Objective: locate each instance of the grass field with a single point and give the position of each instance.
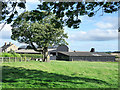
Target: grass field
(60, 74)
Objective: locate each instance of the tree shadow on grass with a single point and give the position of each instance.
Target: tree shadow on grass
(42, 78)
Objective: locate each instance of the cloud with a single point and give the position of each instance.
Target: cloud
(111, 19)
(102, 22)
(108, 23)
(93, 35)
(104, 25)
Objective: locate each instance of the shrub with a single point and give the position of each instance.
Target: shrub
(9, 55)
(0, 54)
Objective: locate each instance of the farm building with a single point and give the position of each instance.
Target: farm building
(62, 48)
(7, 47)
(27, 51)
(116, 53)
(86, 56)
(53, 52)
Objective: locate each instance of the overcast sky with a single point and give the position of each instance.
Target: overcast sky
(99, 32)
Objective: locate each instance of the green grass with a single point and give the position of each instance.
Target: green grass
(60, 74)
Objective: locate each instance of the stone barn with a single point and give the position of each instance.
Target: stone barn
(63, 48)
(84, 56)
(54, 51)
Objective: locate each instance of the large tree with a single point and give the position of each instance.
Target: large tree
(69, 10)
(43, 33)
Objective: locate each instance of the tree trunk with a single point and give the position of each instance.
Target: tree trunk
(45, 54)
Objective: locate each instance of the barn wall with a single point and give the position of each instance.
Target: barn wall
(62, 57)
(92, 58)
(52, 57)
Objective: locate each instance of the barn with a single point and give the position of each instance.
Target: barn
(53, 52)
(85, 56)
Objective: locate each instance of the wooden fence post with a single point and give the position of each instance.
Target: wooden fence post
(2, 59)
(9, 59)
(24, 59)
(15, 59)
(28, 59)
(21, 59)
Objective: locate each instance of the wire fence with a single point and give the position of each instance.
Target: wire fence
(14, 59)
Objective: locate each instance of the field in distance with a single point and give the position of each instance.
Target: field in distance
(60, 74)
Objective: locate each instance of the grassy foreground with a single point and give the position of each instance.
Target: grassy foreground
(60, 74)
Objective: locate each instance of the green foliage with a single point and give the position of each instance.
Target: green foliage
(9, 10)
(60, 74)
(70, 10)
(32, 55)
(43, 33)
(12, 52)
(25, 58)
(9, 55)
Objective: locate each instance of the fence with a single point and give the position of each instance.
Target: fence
(14, 59)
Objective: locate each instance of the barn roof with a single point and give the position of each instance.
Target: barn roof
(85, 54)
(27, 51)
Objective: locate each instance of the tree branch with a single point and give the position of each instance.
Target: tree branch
(3, 26)
(35, 48)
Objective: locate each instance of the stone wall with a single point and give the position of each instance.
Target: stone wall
(12, 47)
(92, 58)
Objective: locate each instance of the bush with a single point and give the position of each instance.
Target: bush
(17, 55)
(12, 52)
(9, 55)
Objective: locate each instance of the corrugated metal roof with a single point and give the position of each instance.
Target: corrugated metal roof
(85, 54)
(26, 51)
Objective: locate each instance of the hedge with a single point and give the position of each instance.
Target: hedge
(9, 55)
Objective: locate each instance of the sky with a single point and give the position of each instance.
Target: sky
(99, 32)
